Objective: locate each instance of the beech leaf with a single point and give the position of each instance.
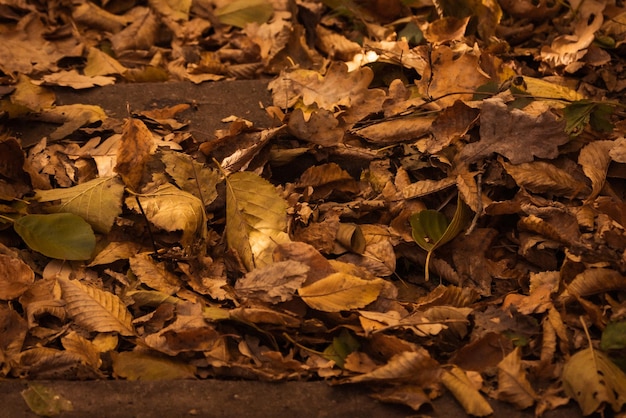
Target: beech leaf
(341, 292)
(58, 235)
(591, 378)
(457, 382)
(256, 218)
(95, 309)
(98, 201)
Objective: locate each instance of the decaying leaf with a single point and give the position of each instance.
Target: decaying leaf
(135, 149)
(592, 379)
(513, 385)
(45, 401)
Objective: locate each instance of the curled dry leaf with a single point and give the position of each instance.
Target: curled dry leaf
(457, 382)
(15, 277)
(276, 282)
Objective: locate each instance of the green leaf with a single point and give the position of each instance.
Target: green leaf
(58, 235)
(241, 12)
(341, 347)
(614, 336)
(98, 201)
(44, 401)
(431, 229)
(582, 112)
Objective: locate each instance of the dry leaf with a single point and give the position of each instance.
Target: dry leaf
(95, 309)
(341, 292)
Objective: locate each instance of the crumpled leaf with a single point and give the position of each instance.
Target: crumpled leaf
(133, 154)
(341, 292)
(457, 382)
(15, 277)
(98, 201)
(95, 309)
(256, 218)
(515, 134)
(513, 385)
(58, 235)
(591, 378)
(154, 274)
(171, 209)
(137, 365)
(141, 34)
(273, 283)
(74, 117)
(45, 401)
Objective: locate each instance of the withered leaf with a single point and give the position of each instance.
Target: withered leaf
(96, 309)
(276, 282)
(15, 277)
(517, 135)
(133, 154)
(137, 365)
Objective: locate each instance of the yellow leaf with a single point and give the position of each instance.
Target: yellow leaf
(341, 292)
(172, 209)
(256, 218)
(513, 386)
(591, 378)
(95, 309)
(135, 365)
(457, 382)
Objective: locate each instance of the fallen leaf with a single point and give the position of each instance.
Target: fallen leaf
(341, 292)
(457, 382)
(15, 277)
(273, 283)
(45, 401)
(592, 379)
(513, 385)
(133, 154)
(58, 235)
(137, 365)
(95, 309)
(98, 201)
(255, 218)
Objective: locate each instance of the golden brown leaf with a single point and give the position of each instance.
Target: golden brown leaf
(133, 154)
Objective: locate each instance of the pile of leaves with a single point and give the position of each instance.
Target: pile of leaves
(440, 204)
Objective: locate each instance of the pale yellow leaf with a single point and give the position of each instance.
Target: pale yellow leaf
(256, 218)
(98, 201)
(172, 209)
(100, 63)
(457, 382)
(95, 309)
(341, 292)
(591, 378)
(73, 79)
